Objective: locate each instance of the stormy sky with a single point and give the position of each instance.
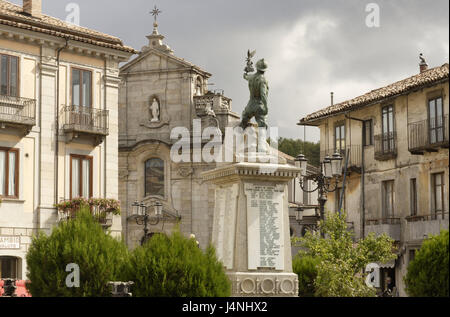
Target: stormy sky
(312, 47)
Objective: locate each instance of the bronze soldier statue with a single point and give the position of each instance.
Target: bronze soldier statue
(259, 91)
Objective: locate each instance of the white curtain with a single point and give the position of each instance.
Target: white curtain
(12, 174)
(75, 178)
(86, 178)
(2, 173)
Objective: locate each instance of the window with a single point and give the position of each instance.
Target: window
(412, 255)
(81, 87)
(436, 122)
(154, 177)
(9, 75)
(80, 176)
(437, 183)
(9, 173)
(367, 133)
(413, 196)
(339, 139)
(388, 129)
(8, 267)
(388, 198)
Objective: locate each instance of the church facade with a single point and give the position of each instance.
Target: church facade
(159, 92)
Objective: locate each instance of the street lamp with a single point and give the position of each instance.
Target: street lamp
(141, 215)
(330, 167)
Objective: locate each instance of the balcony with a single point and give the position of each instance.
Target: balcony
(385, 146)
(419, 227)
(423, 137)
(18, 113)
(389, 226)
(85, 123)
(354, 159)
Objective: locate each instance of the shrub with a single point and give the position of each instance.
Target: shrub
(174, 266)
(100, 257)
(306, 269)
(427, 274)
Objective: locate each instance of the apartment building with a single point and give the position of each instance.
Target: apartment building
(58, 123)
(394, 141)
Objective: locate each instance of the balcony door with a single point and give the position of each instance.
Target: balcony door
(388, 129)
(9, 79)
(339, 139)
(81, 111)
(436, 120)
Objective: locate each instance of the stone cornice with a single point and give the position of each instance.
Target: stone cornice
(246, 169)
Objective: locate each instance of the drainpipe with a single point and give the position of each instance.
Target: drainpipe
(58, 56)
(363, 198)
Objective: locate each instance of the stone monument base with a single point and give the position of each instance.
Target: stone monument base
(251, 226)
(263, 284)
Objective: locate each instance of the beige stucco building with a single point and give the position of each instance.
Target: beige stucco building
(396, 139)
(58, 123)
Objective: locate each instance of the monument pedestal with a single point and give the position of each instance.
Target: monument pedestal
(251, 227)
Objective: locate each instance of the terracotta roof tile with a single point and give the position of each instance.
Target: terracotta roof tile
(12, 15)
(428, 77)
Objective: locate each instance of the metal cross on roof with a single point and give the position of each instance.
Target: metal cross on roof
(155, 12)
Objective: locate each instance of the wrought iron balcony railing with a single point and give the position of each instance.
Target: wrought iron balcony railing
(427, 135)
(385, 146)
(433, 216)
(383, 221)
(354, 159)
(87, 120)
(17, 111)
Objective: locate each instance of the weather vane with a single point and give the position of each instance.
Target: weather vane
(155, 12)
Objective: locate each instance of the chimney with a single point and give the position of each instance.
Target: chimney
(332, 98)
(33, 8)
(423, 63)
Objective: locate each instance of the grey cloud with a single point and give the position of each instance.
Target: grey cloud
(344, 55)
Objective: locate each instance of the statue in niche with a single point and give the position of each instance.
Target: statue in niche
(154, 111)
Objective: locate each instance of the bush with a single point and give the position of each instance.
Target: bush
(341, 261)
(428, 273)
(306, 269)
(100, 257)
(174, 266)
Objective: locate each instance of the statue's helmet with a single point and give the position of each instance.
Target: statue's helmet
(261, 65)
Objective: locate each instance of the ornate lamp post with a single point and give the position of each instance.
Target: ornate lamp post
(331, 167)
(141, 215)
